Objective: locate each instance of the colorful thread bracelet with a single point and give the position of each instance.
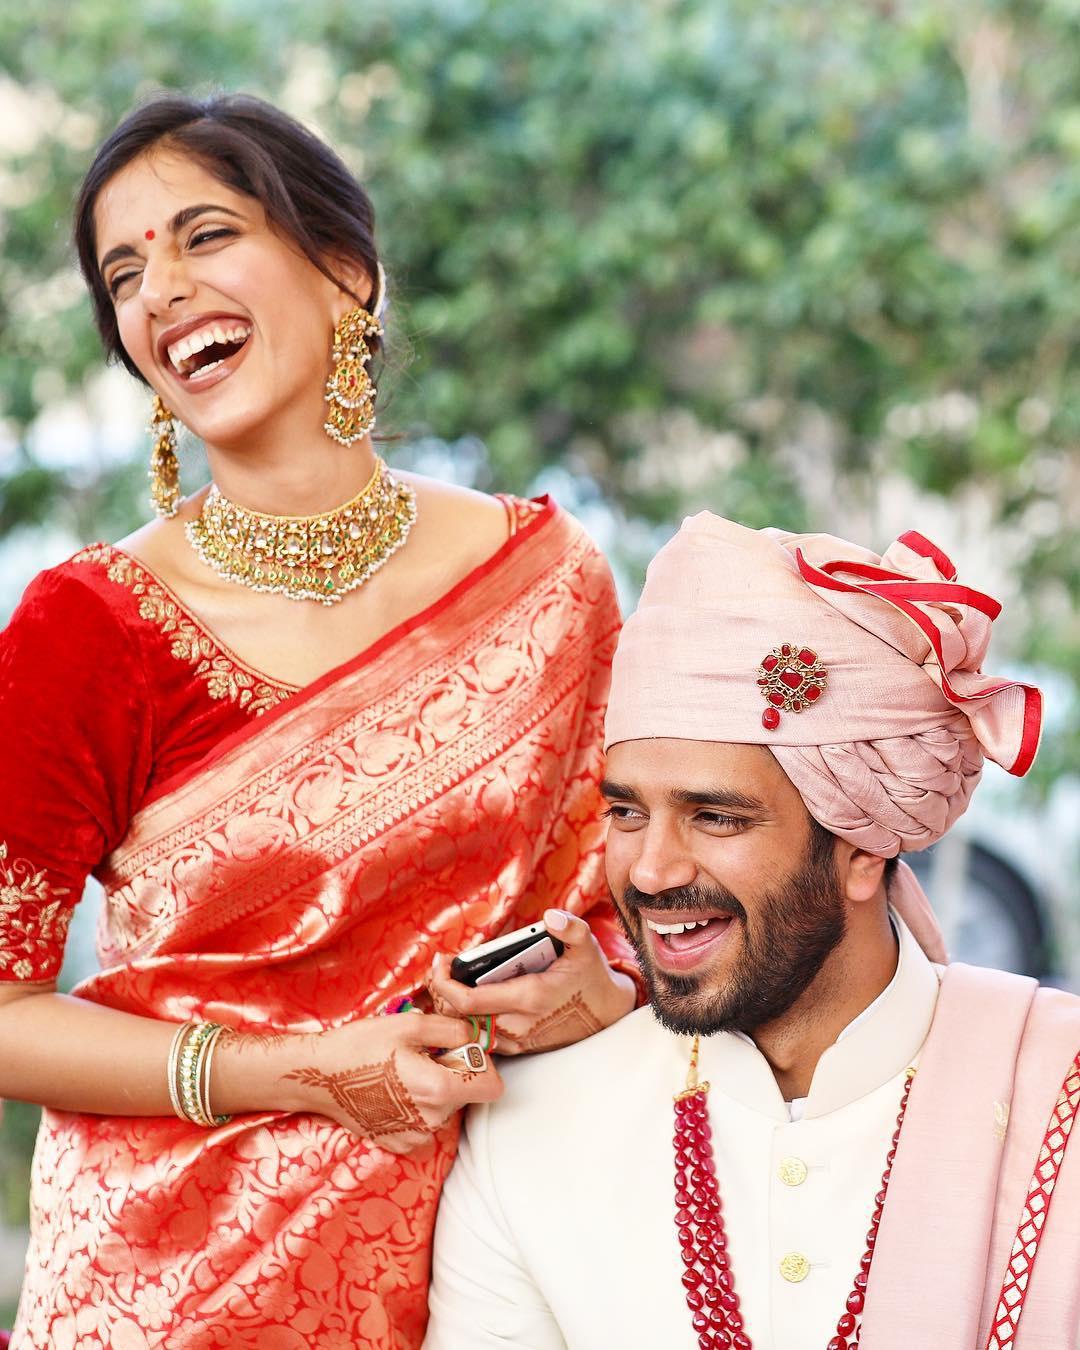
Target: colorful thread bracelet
(488, 1031)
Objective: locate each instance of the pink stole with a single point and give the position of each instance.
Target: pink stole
(988, 1078)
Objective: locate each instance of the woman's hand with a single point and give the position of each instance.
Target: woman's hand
(376, 1079)
(576, 996)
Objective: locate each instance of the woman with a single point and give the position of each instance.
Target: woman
(311, 728)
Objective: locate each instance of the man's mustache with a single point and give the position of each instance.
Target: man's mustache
(710, 899)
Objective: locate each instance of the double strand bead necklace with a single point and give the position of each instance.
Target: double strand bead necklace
(321, 557)
(708, 1278)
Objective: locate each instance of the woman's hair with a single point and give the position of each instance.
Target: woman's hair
(306, 191)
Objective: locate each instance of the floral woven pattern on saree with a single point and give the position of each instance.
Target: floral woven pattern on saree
(433, 792)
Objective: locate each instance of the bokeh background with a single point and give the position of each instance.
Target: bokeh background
(806, 265)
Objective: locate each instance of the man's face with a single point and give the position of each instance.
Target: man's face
(713, 841)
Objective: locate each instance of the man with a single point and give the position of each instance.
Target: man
(787, 714)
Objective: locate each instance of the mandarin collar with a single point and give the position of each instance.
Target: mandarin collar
(873, 1048)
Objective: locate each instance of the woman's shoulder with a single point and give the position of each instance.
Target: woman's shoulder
(97, 581)
(78, 582)
(486, 520)
(451, 505)
(70, 627)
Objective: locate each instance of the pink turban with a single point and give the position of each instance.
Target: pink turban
(861, 674)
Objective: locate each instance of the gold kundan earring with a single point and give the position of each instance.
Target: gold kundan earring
(350, 390)
(164, 465)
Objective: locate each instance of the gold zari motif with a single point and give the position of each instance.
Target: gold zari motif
(33, 916)
(224, 676)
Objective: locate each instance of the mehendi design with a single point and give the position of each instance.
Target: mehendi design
(373, 1096)
(570, 1022)
(261, 1040)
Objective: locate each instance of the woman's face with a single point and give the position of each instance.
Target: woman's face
(225, 318)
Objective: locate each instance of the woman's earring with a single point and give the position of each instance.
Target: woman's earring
(164, 465)
(350, 390)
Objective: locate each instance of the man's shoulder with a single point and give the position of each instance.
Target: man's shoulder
(559, 1086)
(593, 1059)
(1057, 1004)
(1050, 1006)
(1053, 1026)
(1040, 1024)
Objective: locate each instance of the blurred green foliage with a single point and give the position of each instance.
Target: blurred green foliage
(759, 254)
(764, 255)
(19, 1129)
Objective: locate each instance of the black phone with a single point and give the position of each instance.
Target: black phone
(525, 951)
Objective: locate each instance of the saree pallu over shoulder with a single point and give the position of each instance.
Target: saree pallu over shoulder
(434, 791)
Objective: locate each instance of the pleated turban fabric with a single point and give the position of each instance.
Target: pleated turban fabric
(861, 674)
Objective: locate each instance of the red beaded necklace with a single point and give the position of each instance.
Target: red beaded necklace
(708, 1277)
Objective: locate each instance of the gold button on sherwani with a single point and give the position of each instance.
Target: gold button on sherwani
(794, 1267)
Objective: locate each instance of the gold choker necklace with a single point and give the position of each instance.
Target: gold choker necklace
(306, 557)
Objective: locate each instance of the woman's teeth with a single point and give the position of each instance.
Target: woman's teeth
(180, 353)
(203, 370)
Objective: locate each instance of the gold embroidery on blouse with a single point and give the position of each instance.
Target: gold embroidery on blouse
(223, 675)
(33, 920)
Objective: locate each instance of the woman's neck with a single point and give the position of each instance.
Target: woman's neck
(288, 483)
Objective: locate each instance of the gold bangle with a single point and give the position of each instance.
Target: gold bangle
(182, 1033)
(189, 1072)
(192, 1061)
(206, 1065)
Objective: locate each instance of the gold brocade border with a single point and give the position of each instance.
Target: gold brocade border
(225, 677)
(521, 511)
(148, 880)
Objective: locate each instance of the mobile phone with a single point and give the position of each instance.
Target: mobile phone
(526, 951)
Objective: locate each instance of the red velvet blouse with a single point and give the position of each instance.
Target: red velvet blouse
(108, 686)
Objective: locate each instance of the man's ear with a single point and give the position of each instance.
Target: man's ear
(861, 874)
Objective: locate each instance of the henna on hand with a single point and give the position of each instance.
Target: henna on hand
(571, 1021)
(262, 1040)
(372, 1096)
(440, 1005)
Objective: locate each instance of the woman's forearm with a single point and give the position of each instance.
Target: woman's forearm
(74, 1055)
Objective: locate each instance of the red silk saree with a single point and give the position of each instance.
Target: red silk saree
(437, 789)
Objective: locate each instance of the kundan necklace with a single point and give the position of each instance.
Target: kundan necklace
(319, 557)
(708, 1278)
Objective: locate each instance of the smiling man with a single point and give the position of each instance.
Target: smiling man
(820, 1134)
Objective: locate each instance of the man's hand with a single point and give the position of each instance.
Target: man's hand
(573, 998)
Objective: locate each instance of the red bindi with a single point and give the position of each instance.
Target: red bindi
(149, 234)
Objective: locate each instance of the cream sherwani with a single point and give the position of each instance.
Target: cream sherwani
(556, 1224)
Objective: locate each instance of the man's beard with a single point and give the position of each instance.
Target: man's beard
(797, 925)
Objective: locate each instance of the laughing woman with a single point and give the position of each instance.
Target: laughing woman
(311, 728)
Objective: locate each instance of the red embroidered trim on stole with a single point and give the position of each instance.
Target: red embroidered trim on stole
(1033, 1217)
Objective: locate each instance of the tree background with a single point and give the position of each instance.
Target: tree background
(806, 265)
